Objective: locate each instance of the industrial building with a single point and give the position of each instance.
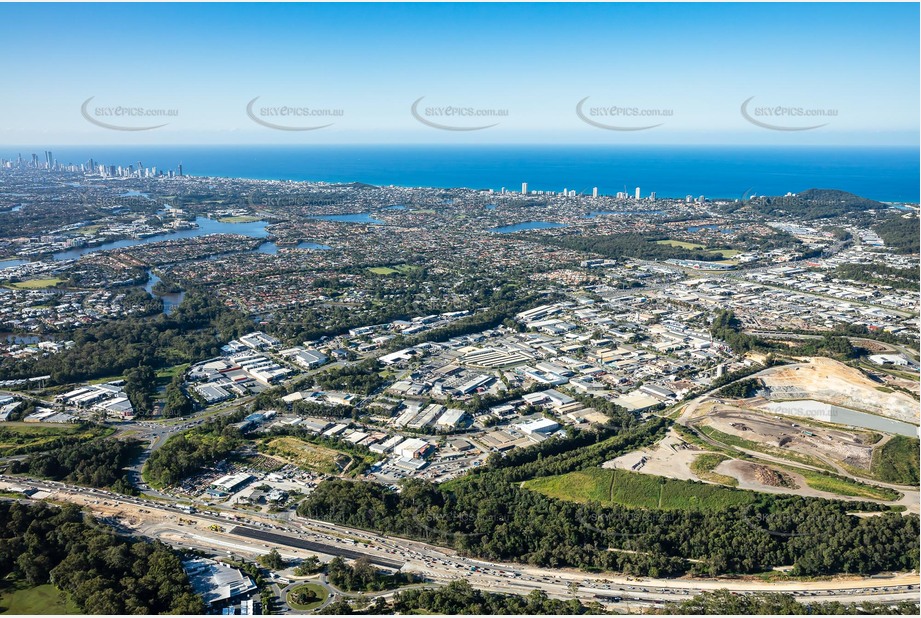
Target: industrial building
(412, 448)
(232, 482)
(542, 426)
(306, 359)
(451, 419)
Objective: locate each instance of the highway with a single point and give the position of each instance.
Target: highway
(253, 534)
(277, 539)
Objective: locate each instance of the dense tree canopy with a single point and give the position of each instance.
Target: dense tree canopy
(103, 573)
(98, 463)
(459, 597)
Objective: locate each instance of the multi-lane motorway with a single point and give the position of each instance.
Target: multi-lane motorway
(225, 531)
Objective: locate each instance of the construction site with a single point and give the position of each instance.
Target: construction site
(810, 439)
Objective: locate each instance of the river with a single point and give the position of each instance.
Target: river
(253, 229)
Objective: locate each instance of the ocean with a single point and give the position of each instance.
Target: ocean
(889, 174)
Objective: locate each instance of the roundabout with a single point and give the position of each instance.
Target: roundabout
(306, 597)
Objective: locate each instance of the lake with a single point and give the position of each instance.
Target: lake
(697, 228)
(809, 408)
(253, 229)
(12, 263)
(527, 225)
(355, 217)
(605, 213)
(20, 339)
(170, 301)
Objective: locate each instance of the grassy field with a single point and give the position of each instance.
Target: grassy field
(37, 284)
(316, 589)
(18, 438)
(703, 466)
(897, 461)
(383, 270)
(681, 243)
(89, 230)
(44, 600)
(726, 253)
(638, 490)
(166, 375)
(309, 456)
(393, 270)
(239, 219)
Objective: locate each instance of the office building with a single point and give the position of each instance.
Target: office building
(524, 188)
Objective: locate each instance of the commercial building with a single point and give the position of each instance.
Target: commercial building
(216, 582)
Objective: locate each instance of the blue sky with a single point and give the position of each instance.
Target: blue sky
(691, 64)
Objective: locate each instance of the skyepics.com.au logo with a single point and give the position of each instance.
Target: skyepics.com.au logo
(785, 117)
(291, 117)
(125, 117)
(621, 118)
(456, 118)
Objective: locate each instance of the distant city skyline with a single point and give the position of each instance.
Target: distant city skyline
(745, 74)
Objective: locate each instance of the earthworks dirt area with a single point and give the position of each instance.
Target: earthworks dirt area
(669, 457)
(850, 447)
(832, 382)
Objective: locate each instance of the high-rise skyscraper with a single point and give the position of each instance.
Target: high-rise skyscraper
(180, 169)
(524, 188)
(652, 196)
(637, 193)
(594, 191)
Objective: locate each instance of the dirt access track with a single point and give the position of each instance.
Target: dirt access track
(833, 382)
